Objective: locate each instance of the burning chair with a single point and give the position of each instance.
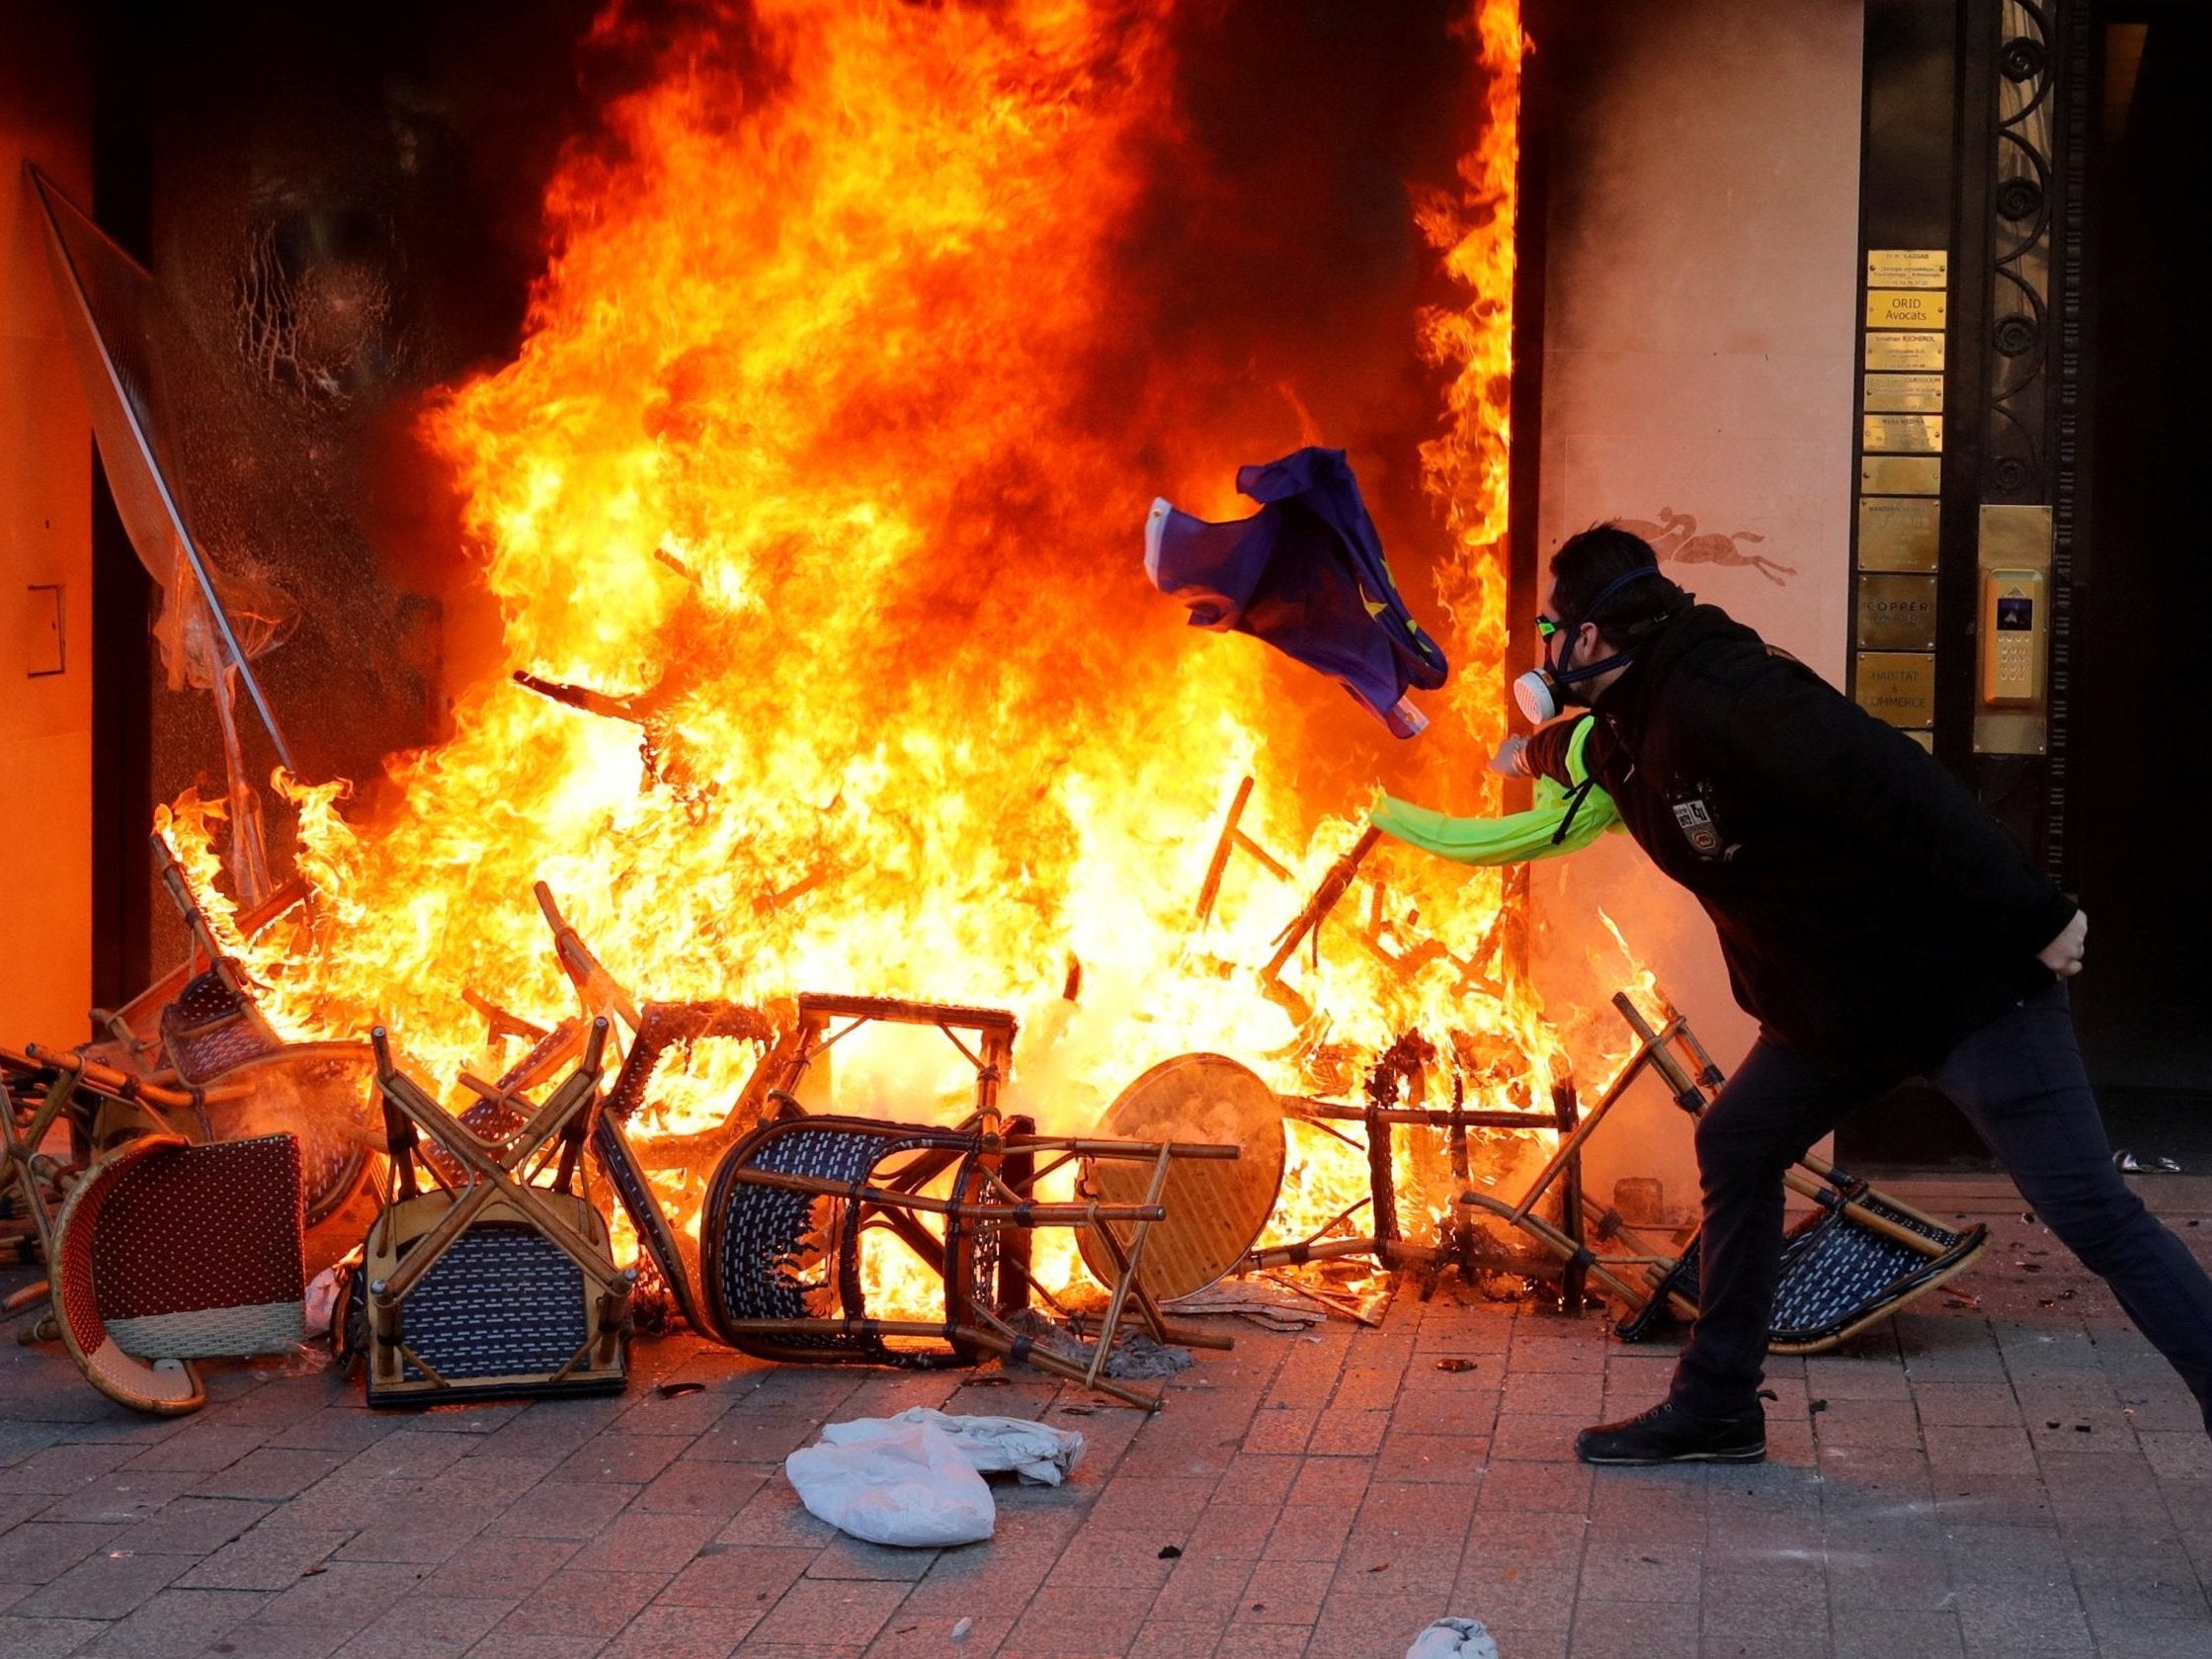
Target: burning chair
(198, 1032)
(662, 1024)
(491, 1285)
(1397, 1075)
(781, 1241)
(778, 1270)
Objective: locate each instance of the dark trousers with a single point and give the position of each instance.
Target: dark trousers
(2020, 1083)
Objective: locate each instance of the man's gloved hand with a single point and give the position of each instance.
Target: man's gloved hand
(1511, 760)
(2062, 956)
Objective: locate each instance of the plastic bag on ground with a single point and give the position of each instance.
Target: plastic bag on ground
(322, 1302)
(1454, 1639)
(894, 1483)
(1036, 1451)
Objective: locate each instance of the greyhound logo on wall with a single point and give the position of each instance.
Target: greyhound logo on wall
(1676, 541)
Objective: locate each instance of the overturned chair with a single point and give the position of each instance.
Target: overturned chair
(168, 1252)
(498, 1280)
(1856, 1257)
(198, 1032)
(780, 1256)
(159, 1253)
(779, 1272)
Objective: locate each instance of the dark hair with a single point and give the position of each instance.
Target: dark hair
(1589, 561)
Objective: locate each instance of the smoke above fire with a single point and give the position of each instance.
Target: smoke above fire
(868, 330)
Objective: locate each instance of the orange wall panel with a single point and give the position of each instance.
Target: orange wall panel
(45, 542)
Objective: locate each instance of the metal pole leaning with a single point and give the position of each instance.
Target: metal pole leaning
(135, 457)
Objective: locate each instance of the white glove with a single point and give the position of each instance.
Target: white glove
(1511, 760)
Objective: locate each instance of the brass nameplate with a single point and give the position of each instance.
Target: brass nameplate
(1914, 394)
(1898, 531)
(1905, 351)
(1913, 434)
(1907, 266)
(1891, 307)
(1896, 613)
(1899, 687)
(1901, 474)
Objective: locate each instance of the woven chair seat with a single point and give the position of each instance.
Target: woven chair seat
(171, 1252)
(1838, 1274)
(504, 1301)
(210, 1028)
(495, 1285)
(770, 1253)
(501, 1311)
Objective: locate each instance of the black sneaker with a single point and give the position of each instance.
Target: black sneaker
(1666, 1434)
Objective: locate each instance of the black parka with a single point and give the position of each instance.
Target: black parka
(1871, 914)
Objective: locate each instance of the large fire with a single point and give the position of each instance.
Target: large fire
(820, 460)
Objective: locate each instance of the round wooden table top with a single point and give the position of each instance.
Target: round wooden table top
(1216, 1209)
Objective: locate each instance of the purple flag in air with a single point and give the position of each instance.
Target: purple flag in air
(1306, 574)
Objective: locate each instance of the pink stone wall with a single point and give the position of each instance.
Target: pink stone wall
(1697, 379)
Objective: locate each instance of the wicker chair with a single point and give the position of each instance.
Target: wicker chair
(493, 1285)
(1843, 1267)
(203, 1034)
(780, 1237)
(167, 1252)
(117, 1121)
(779, 1244)
(792, 1198)
(781, 1262)
(1857, 1259)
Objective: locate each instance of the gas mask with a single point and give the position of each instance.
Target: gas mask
(1543, 694)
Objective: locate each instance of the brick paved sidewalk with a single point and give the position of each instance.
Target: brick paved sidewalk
(2006, 1473)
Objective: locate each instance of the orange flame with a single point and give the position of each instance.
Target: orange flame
(805, 458)
(1466, 466)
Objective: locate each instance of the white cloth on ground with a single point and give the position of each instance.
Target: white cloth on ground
(894, 1483)
(1454, 1639)
(1036, 1451)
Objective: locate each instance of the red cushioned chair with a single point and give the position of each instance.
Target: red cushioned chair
(166, 1253)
